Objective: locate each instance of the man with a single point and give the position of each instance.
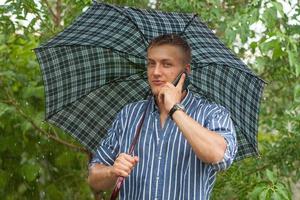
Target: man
(184, 141)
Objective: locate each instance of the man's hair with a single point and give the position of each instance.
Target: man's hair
(175, 40)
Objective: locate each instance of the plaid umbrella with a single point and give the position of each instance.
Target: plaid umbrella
(98, 64)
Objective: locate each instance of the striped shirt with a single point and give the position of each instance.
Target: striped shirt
(168, 168)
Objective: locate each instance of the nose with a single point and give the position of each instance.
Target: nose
(157, 70)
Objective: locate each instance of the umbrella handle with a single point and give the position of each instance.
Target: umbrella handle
(120, 179)
(117, 187)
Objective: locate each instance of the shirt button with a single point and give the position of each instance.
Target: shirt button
(159, 157)
(157, 178)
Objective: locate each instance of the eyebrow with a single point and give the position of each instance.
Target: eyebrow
(163, 60)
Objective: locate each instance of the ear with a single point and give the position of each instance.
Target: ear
(187, 68)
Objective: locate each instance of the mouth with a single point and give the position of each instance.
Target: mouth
(158, 82)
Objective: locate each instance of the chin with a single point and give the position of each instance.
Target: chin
(155, 91)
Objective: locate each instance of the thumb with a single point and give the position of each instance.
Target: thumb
(136, 159)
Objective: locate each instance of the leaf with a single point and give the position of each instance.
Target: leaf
(261, 62)
(293, 61)
(230, 36)
(281, 189)
(297, 68)
(297, 93)
(295, 29)
(30, 171)
(271, 45)
(263, 194)
(3, 108)
(244, 31)
(270, 17)
(53, 192)
(270, 176)
(279, 8)
(257, 190)
(25, 126)
(8, 74)
(276, 196)
(64, 159)
(5, 142)
(4, 177)
(34, 92)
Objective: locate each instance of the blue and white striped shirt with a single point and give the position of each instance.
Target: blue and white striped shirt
(168, 168)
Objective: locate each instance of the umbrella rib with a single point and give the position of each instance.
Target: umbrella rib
(188, 24)
(121, 55)
(135, 25)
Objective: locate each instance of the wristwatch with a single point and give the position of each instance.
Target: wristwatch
(177, 106)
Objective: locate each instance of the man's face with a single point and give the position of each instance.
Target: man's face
(165, 63)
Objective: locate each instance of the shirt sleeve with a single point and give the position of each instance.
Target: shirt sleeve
(220, 122)
(109, 147)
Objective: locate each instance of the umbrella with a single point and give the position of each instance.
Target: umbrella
(97, 65)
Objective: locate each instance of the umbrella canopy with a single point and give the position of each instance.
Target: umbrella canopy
(98, 64)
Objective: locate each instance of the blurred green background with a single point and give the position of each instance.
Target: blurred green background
(38, 161)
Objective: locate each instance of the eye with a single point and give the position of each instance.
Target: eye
(150, 63)
(167, 64)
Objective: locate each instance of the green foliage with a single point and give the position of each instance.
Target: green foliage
(35, 164)
(31, 165)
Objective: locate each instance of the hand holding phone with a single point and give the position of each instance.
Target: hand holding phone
(169, 96)
(186, 81)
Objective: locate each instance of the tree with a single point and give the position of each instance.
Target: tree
(38, 161)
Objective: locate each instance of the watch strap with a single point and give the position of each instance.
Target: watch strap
(176, 107)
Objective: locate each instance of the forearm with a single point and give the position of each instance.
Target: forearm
(101, 177)
(207, 145)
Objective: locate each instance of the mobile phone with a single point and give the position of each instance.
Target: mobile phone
(186, 81)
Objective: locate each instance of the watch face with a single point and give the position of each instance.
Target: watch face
(180, 106)
(177, 106)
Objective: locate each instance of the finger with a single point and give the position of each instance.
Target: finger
(129, 158)
(125, 162)
(160, 96)
(136, 159)
(123, 170)
(124, 167)
(181, 81)
(122, 173)
(126, 157)
(169, 85)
